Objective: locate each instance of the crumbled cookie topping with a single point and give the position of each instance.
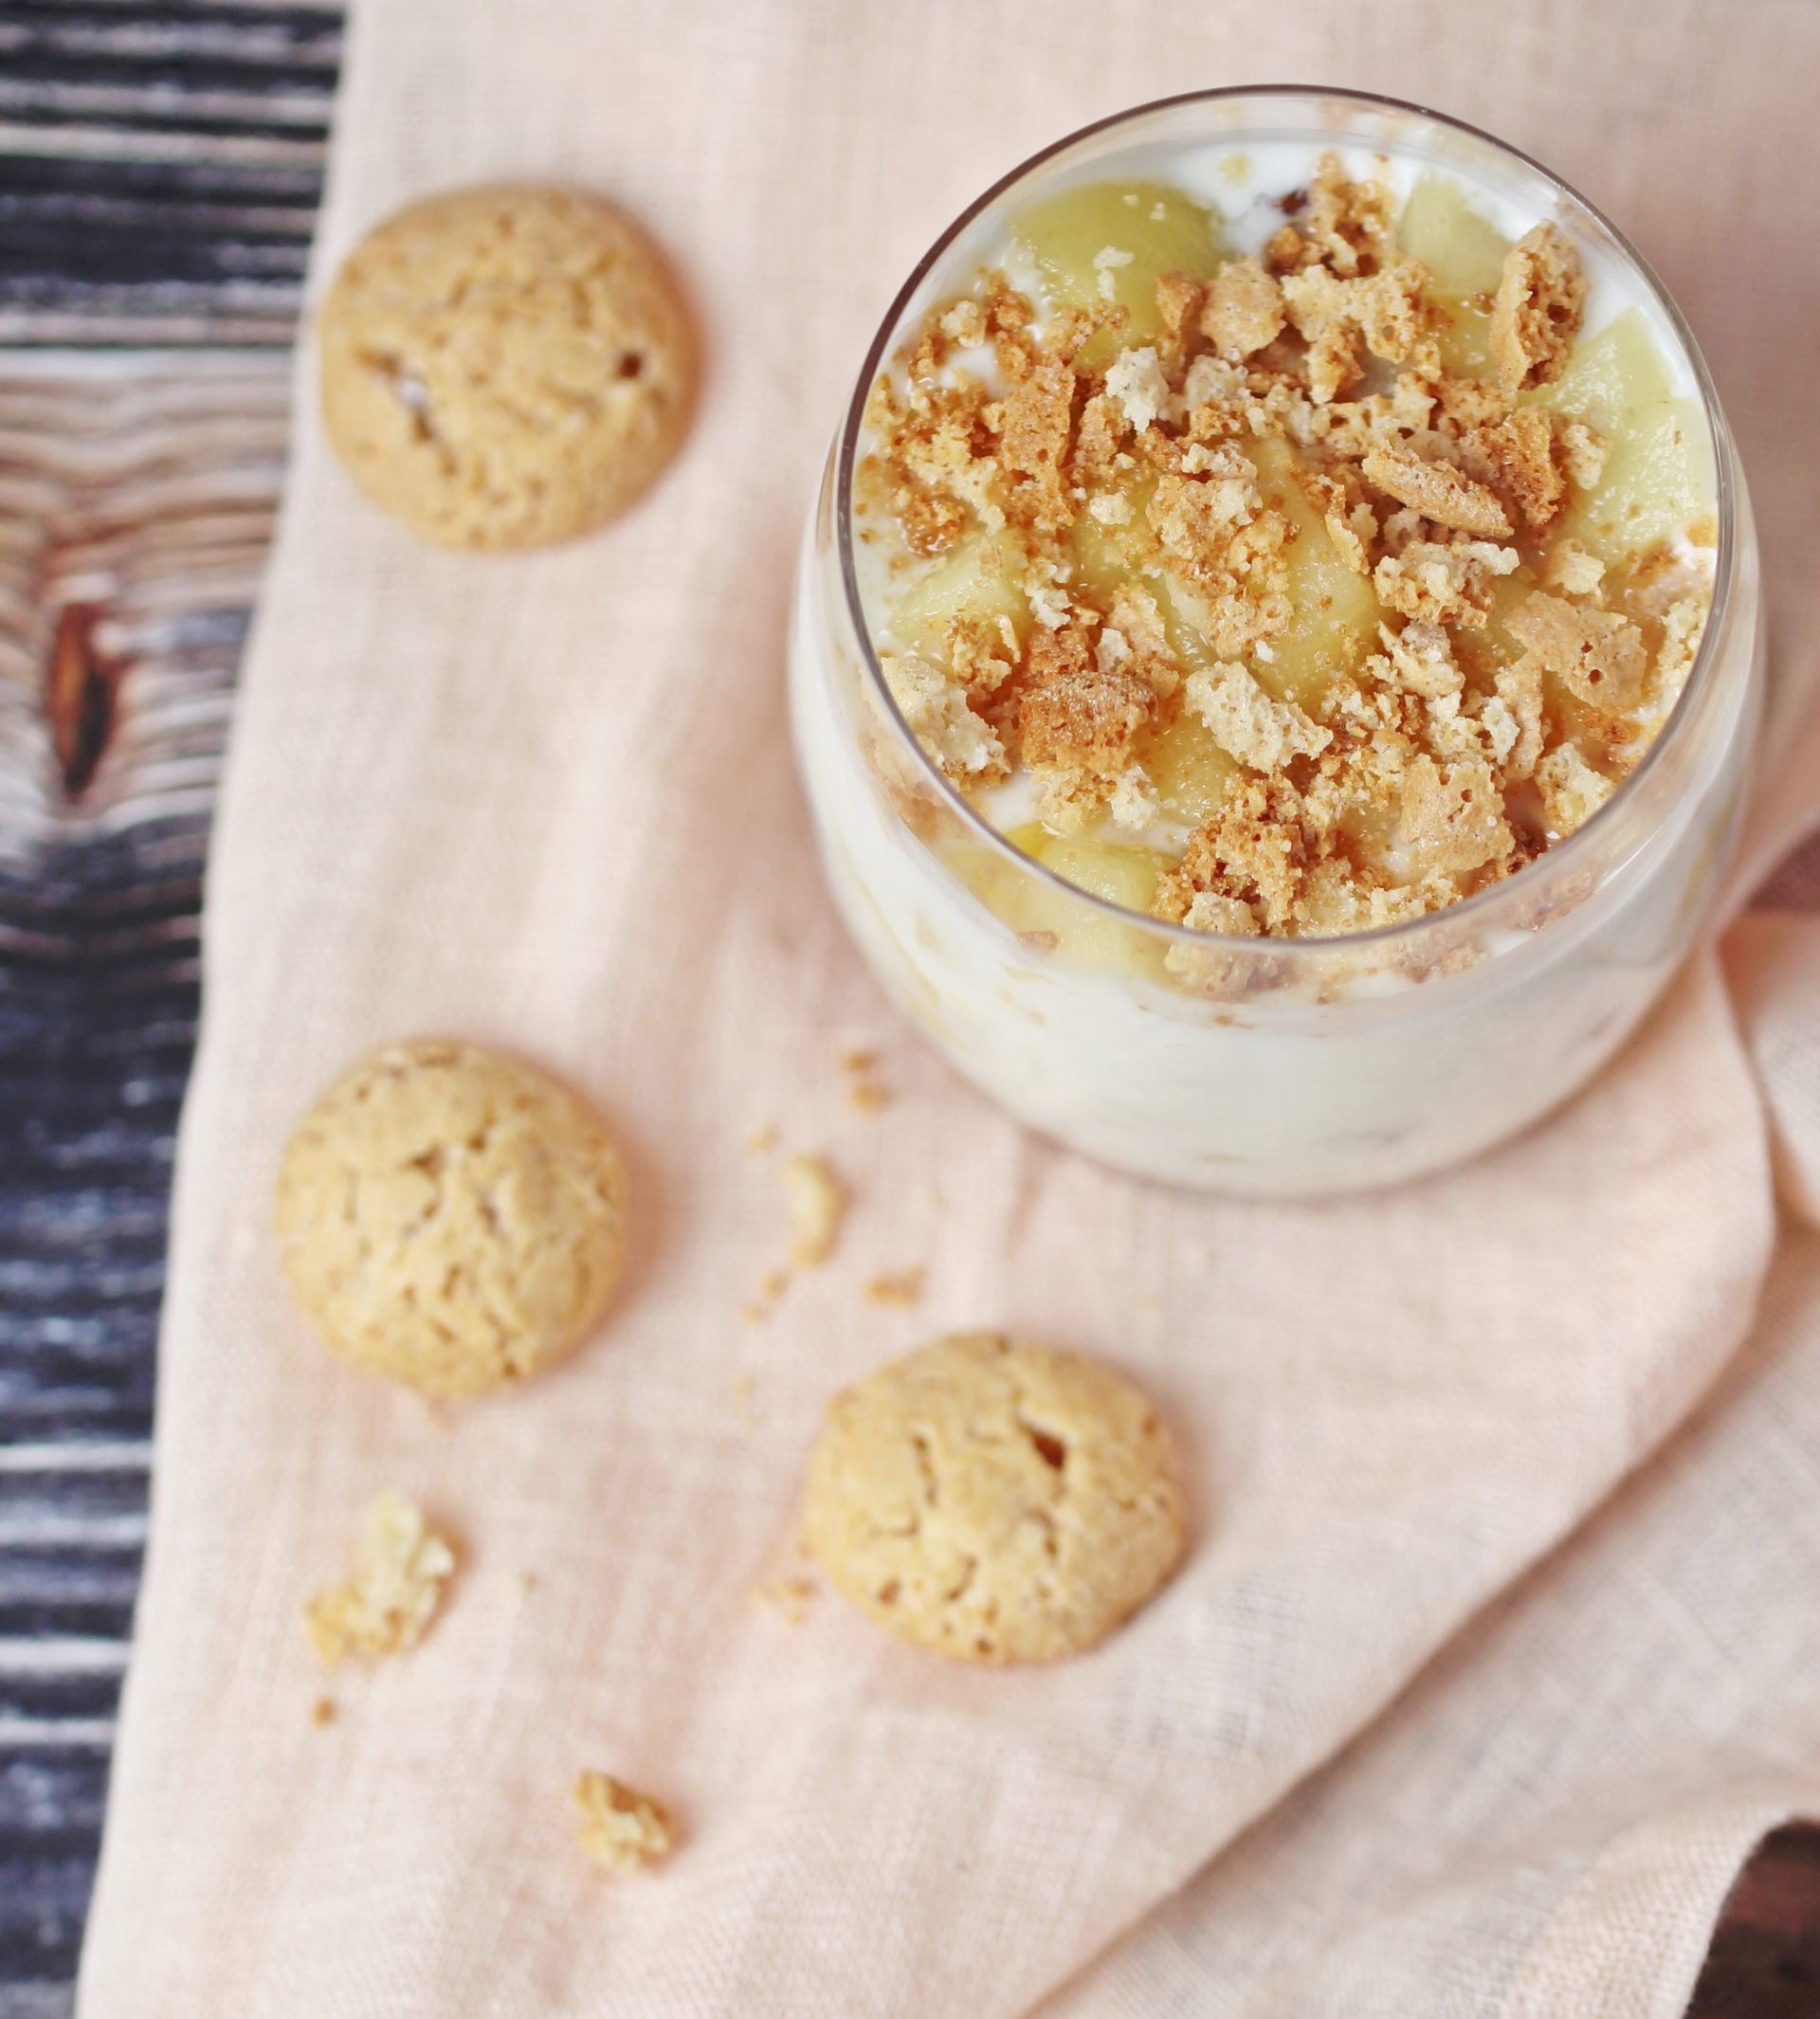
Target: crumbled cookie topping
(620, 1829)
(1535, 315)
(396, 1589)
(1299, 536)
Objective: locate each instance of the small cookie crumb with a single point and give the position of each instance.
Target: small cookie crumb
(1537, 312)
(817, 1203)
(620, 1828)
(761, 1141)
(323, 1712)
(862, 1089)
(788, 1597)
(396, 1589)
(758, 1308)
(897, 1286)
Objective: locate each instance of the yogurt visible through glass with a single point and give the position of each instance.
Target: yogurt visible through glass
(1251, 1037)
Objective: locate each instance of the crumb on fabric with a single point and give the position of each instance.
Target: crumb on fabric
(788, 1597)
(386, 1606)
(621, 1829)
(895, 1287)
(817, 1203)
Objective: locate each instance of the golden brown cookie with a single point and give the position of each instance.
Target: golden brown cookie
(504, 366)
(448, 1217)
(994, 1500)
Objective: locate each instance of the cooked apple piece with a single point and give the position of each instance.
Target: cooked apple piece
(1462, 250)
(971, 582)
(1658, 476)
(1465, 255)
(1189, 768)
(1113, 242)
(1120, 873)
(1337, 611)
(1107, 555)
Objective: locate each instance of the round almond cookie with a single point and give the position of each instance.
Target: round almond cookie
(448, 1217)
(504, 366)
(994, 1500)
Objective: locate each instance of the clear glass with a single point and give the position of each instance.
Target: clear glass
(1282, 1067)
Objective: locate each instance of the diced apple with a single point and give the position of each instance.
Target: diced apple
(1464, 338)
(1074, 235)
(970, 582)
(1055, 922)
(1465, 255)
(1463, 250)
(1189, 768)
(1108, 556)
(1611, 374)
(1336, 609)
(1658, 475)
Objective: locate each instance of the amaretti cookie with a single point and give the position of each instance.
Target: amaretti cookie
(504, 366)
(994, 1500)
(450, 1218)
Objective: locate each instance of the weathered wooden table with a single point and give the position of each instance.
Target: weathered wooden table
(160, 170)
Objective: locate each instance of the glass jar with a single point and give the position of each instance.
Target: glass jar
(1282, 1067)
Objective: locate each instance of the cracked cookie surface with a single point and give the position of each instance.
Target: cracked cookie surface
(504, 366)
(994, 1500)
(450, 1218)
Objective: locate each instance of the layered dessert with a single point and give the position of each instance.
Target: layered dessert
(1295, 557)
(1275, 660)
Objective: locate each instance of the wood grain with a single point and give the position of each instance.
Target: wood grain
(159, 172)
(137, 498)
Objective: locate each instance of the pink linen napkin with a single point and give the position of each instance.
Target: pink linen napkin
(547, 801)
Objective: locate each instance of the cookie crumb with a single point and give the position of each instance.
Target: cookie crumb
(620, 1828)
(323, 1712)
(862, 1089)
(1537, 311)
(788, 1597)
(817, 1203)
(771, 1285)
(763, 1140)
(387, 1605)
(895, 1287)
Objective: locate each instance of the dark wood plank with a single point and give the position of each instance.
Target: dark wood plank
(159, 172)
(1765, 1958)
(137, 498)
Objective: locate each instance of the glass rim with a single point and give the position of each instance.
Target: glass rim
(1561, 857)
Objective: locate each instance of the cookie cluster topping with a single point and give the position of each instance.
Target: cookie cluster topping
(1289, 568)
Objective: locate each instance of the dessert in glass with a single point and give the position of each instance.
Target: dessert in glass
(1275, 653)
